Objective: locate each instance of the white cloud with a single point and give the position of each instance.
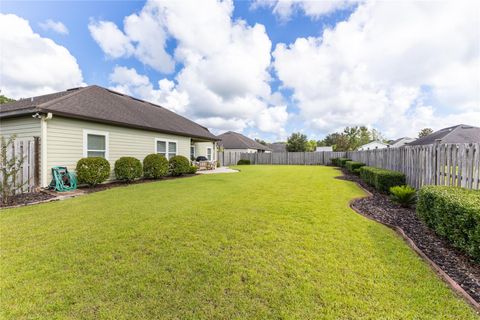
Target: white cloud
(224, 79)
(284, 9)
(33, 65)
(55, 26)
(398, 65)
(112, 41)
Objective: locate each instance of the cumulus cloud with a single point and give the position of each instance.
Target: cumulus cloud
(284, 9)
(398, 65)
(33, 65)
(224, 79)
(55, 26)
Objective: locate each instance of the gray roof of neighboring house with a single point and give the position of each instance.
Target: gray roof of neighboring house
(457, 134)
(98, 104)
(398, 140)
(278, 146)
(234, 140)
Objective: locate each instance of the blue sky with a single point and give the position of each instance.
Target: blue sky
(317, 76)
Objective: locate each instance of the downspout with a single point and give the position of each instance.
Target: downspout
(43, 148)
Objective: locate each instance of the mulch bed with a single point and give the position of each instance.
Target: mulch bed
(115, 184)
(457, 265)
(27, 198)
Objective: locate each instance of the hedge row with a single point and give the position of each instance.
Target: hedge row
(453, 213)
(340, 162)
(382, 179)
(95, 170)
(354, 166)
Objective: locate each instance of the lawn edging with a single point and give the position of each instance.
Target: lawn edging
(443, 275)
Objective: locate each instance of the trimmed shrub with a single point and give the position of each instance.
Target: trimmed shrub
(353, 166)
(453, 213)
(382, 179)
(92, 171)
(334, 162)
(179, 165)
(155, 166)
(343, 161)
(192, 170)
(128, 169)
(243, 162)
(403, 195)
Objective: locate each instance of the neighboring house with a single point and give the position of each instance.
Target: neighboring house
(321, 149)
(236, 142)
(95, 121)
(401, 142)
(461, 133)
(278, 146)
(373, 145)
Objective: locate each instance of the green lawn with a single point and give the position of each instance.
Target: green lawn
(270, 242)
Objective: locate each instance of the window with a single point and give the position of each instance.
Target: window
(166, 148)
(192, 152)
(95, 144)
(209, 153)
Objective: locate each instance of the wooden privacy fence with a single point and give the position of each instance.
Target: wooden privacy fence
(439, 164)
(28, 176)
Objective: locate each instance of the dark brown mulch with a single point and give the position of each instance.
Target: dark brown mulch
(457, 265)
(26, 198)
(114, 184)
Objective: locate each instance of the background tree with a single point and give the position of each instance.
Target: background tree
(425, 132)
(261, 141)
(297, 142)
(4, 99)
(351, 138)
(311, 145)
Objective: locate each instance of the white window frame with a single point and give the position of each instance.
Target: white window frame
(86, 132)
(166, 146)
(211, 153)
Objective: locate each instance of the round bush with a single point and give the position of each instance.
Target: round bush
(243, 161)
(179, 165)
(192, 170)
(92, 171)
(155, 166)
(128, 169)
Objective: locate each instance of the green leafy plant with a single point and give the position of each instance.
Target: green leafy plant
(179, 165)
(342, 162)
(192, 170)
(382, 179)
(155, 166)
(453, 213)
(92, 171)
(403, 195)
(335, 162)
(243, 162)
(10, 167)
(128, 169)
(353, 166)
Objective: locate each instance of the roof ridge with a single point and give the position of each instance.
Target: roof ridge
(65, 97)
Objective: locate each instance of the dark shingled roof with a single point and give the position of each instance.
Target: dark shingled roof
(278, 146)
(457, 134)
(234, 140)
(99, 104)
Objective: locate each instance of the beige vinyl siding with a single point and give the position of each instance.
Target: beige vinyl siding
(65, 142)
(201, 149)
(23, 127)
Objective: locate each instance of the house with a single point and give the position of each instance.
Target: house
(94, 121)
(323, 149)
(401, 142)
(461, 133)
(373, 145)
(236, 142)
(278, 146)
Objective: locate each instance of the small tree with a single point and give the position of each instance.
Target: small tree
(9, 169)
(297, 142)
(425, 132)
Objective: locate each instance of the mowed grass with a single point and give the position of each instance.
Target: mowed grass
(270, 242)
